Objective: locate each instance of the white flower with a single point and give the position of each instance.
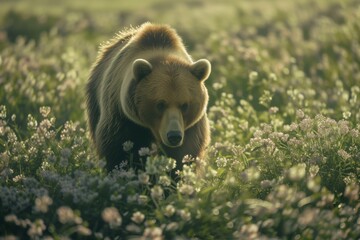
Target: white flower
(32, 123)
(293, 127)
(313, 170)
(352, 192)
(127, 146)
(143, 199)
(36, 229)
(153, 233)
(343, 127)
(143, 178)
(67, 215)
(138, 217)
(188, 159)
(253, 75)
(84, 231)
(42, 203)
(300, 114)
(186, 189)
(343, 154)
(144, 152)
(297, 172)
(18, 178)
(169, 210)
(272, 77)
(164, 181)
(157, 192)
(306, 124)
(273, 110)
(185, 215)
(354, 133)
(221, 162)
(346, 115)
(44, 111)
(112, 216)
(2, 112)
(173, 226)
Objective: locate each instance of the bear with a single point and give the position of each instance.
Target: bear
(145, 88)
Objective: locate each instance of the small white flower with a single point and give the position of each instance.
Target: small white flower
(273, 110)
(186, 189)
(300, 114)
(297, 172)
(343, 127)
(272, 77)
(164, 181)
(354, 133)
(253, 75)
(143, 199)
(2, 112)
(144, 152)
(84, 231)
(188, 159)
(138, 217)
(169, 210)
(343, 154)
(313, 170)
(42, 203)
(157, 192)
(352, 191)
(153, 233)
(143, 178)
(36, 229)
(185, 215)
(127, 146)
(44, 111)
(18, 178)
(306, 124)
(67, 215)
(173, 226)
(221, 162)
(346, 115)
(112, 216)
(293, 127)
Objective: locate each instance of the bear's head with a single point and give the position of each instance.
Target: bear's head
(170, 96)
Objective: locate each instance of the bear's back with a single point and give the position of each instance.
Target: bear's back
(152, 37)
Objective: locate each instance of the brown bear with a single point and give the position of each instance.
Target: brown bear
(145, 88)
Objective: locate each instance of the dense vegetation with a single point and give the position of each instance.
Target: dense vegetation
(284, 162)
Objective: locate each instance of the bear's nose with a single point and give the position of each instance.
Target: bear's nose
(174, 137)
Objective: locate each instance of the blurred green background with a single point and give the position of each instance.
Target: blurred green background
(307, 45)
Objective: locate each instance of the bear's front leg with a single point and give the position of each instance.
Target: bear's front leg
(110, 137)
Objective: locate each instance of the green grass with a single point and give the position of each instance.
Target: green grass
(284, 161)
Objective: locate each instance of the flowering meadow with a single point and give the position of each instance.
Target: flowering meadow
(284, 159)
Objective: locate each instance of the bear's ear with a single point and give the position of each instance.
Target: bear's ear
(201, 69)
(141, 68)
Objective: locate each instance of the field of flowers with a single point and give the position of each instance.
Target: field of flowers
(284, 161)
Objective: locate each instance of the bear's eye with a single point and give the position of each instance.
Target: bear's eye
(161, 106)
(184, 107)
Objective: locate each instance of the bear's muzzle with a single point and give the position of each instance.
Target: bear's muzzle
(172, 128)
(174, 138)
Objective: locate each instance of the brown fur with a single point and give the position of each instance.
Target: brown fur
(122, 108)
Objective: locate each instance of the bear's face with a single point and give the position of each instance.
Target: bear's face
(170, 97)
